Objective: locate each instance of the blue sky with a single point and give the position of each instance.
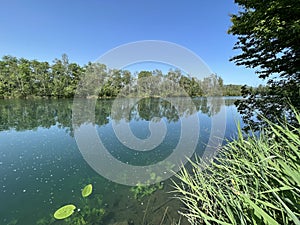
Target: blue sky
(85, 30)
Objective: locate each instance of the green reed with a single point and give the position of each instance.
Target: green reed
(253, 180)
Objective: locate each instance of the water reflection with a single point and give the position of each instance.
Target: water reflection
(23, 115)
(42, 168)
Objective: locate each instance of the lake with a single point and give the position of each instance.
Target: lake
(42, 168)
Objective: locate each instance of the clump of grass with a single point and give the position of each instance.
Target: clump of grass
(253, 180)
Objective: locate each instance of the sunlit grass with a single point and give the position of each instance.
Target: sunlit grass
(253, 180)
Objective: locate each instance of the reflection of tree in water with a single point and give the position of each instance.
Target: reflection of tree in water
(150, 108)
(214, 105)
(31, 114)
(230, 100)
(209, 105)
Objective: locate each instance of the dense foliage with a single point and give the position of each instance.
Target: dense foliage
(22, 78)
(253, 180)
(269, 39)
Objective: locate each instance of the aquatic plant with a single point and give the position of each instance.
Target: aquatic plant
(45, 220)
(64, 212)
(87, 215)
(87, 190)
(139, 191)
(253, 180)
(13, 222)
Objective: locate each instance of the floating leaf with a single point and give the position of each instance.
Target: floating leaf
(87, 190)
(64, 212)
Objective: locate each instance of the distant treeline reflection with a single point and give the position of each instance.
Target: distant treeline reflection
(23, 115)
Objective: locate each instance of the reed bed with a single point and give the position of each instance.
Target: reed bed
(253, 180)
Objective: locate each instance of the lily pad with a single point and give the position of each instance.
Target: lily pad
(87, 190)
(64, 212)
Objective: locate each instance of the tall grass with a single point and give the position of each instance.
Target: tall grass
(253, 180)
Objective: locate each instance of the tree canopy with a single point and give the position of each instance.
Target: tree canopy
(23, 78)
(268, 35)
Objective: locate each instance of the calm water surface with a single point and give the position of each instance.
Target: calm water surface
(42, 168)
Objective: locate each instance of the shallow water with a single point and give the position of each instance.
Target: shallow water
(42, 167)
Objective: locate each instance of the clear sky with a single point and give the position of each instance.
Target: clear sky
(86, 29)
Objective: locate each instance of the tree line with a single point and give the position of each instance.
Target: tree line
(23, 78)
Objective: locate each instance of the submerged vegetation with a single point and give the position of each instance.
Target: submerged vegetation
(87, 215)
(139, 191)
(253, 180)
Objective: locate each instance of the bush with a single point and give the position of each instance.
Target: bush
(253, 180)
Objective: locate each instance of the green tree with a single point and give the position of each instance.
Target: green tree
(269, 37)
(58, 77)
(195, 88)
(74, 73)
(40, 78)
(9, 78)
(185, 83)
(126, 82)
(212, 85)
(232, 90)
(23, 75)
(23, 78)
(174, 75)
(93, 80)
(144, 83)
(64, 77)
